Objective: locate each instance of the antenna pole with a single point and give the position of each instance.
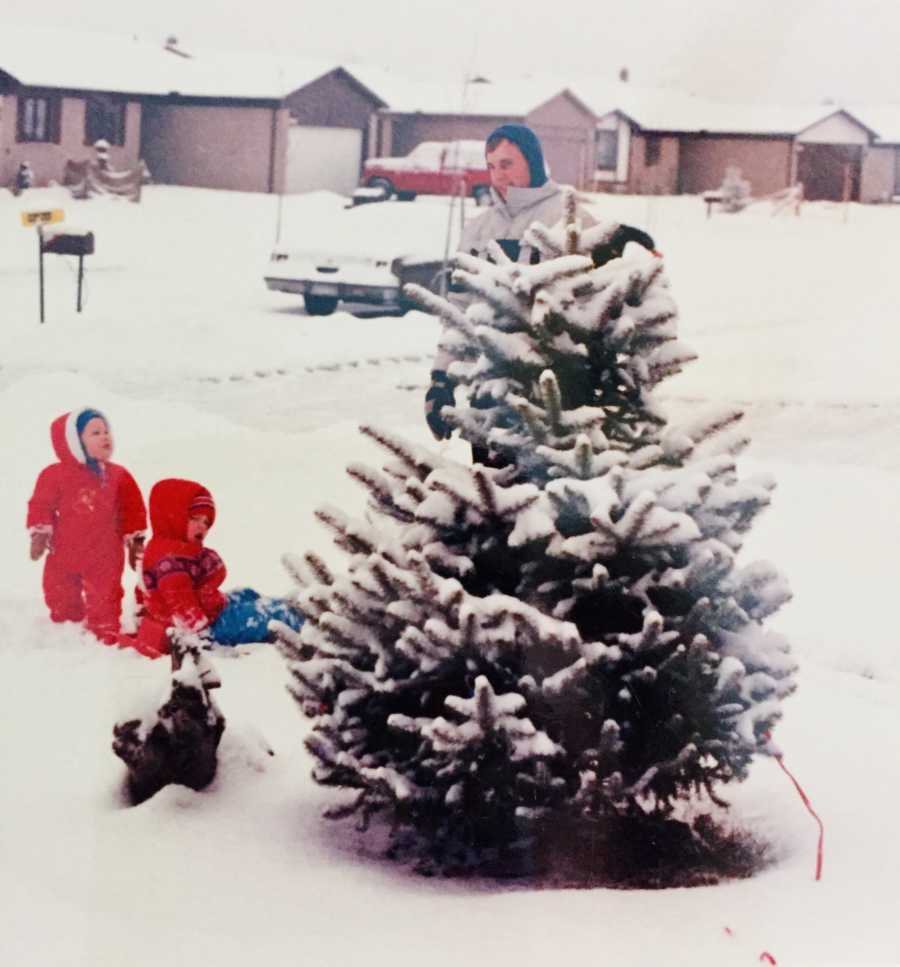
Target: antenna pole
(462, 201)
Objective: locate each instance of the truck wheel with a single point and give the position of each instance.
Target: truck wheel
(320, 305)
(406, 196)
(384, 184)
(482, 195)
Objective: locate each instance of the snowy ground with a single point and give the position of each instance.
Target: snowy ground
(205, 374)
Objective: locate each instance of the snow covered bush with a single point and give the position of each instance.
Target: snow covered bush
(564, 639)
(735, 190)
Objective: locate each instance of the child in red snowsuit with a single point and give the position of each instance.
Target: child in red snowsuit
(85, 510)
(182, 578)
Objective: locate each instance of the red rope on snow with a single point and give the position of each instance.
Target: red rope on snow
(820, 848)
(765, 957)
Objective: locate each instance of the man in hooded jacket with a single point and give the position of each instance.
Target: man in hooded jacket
(521, 193)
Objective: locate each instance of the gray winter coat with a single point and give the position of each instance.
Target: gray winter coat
(511, 219)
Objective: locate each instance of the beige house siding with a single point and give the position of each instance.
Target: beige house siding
(878, 174)
(764, 162)
(282, 121)
(48, 160)
(569, 152)
(836, 129)
(566, 131)
(381, 136)
(8, 162)
(657, 179)
(215, 146)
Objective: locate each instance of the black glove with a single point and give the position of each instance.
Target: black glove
(439, 395)
(613, 249)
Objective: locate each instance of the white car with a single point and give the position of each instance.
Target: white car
(366, 253)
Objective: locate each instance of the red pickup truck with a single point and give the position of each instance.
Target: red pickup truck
(432, 168)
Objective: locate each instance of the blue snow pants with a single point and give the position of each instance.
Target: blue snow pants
(246, 616)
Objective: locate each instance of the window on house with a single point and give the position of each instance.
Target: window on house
(607, 150)
(652, 149)
(104, 117)
(38, 118)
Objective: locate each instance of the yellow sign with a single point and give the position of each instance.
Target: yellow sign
(47, 217)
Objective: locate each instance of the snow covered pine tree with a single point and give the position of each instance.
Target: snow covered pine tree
(529, 666)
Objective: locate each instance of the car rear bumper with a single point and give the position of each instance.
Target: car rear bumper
(345, 291)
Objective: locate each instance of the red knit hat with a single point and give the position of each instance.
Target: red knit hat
(203, 504)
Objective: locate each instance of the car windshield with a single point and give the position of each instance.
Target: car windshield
(428, 153)
(465, 154)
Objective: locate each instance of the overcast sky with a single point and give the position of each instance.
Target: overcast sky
(747, 49)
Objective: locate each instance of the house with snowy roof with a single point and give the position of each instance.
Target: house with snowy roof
(621, 137)
(212, 119)
(445, 109)
(652, 141)
(667, 143)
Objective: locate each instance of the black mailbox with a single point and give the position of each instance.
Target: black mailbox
(72, 243)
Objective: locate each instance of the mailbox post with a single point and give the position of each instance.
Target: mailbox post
(65, 243)
(57, 242)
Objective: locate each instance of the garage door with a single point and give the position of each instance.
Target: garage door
(322, 158)
(829, 170)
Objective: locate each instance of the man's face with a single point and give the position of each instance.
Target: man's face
(508, 168)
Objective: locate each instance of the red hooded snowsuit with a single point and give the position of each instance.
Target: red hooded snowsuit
(181, 578)
(88, 515)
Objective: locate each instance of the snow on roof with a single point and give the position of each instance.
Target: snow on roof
(80, 60)
(254, 73)
(503, 98)
(665, 109)
(89, 61)
(654, 109)
(883, 119)
(659, 109)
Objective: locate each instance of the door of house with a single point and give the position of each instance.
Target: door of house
(825, 170)
(322, 159)
(154, 151)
